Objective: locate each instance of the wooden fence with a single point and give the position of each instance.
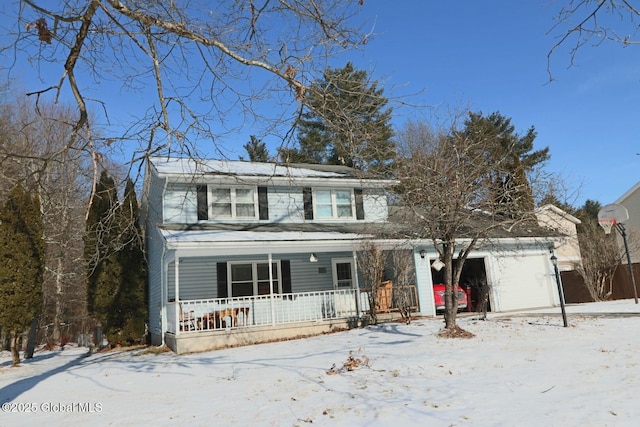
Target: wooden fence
(575, 290)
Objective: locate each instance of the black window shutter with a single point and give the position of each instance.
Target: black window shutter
(307, 197)
(285, 267)
(203, 205)
(359, 204)
(221, 268)
(263, 203)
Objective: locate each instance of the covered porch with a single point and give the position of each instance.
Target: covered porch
(189, 316)
(270, 310)
(204, 324)
(221, 293)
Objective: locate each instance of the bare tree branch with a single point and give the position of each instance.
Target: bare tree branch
(598, 21)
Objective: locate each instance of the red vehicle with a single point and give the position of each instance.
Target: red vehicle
(438, 296)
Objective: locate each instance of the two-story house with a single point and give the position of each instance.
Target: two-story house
(243, 252)
(232, 244)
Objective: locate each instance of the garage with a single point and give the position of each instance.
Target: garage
(473, 280)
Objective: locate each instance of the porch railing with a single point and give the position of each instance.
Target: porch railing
(391, 298)
(240, 312)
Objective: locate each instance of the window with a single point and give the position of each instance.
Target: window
(342, 273)
(252, 278)
(263, 279)
(233, 203)
(333, 204)
(203, 210)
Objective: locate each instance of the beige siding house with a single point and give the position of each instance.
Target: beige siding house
(566, 248)
(631, 201)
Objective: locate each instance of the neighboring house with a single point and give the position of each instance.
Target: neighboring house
(241, 252)
(631, 201)
(567, 247)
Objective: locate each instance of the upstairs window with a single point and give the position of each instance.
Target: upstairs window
(333, 204)
(233, 203)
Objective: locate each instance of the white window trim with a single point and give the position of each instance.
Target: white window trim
(334, 271)
(334, 204)
(234, 215)
(277, 283)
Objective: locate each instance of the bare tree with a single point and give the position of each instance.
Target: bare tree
(447, 195)
(211, 65)
(371, 262)
(483, 289)
(592, 22)
(601, 256)
(35, 150)
(403, 277)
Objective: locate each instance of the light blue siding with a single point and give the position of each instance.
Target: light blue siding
(286, 205)
(154, 247)
(180, 204)
(198, 276)
(375, 205)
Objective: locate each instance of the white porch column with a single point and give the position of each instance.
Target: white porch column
(356, 284)
(176, 269)
(273, 307)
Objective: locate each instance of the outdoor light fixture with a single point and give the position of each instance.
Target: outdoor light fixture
(313, 258)
(423, 253)
(437, 264)
(554, 261)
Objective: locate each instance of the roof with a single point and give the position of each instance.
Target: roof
(276, 232)
(233, 239)
(477, 222)
(221, 236)
(401, 225)
(629, 192)
(180, 166)
(558, 211)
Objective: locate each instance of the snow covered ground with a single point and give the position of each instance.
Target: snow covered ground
(521, 369)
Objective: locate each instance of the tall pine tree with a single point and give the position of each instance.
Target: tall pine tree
(126, 321)
(116, 278)
(21, 264)
(257, 150)
(346, 122)
(100, 251)
(512, 190)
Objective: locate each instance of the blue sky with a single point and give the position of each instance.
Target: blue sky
(488, 56)
(492, 56)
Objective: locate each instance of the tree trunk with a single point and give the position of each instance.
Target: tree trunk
(450, 302)
(15, 348)
(57, 317)
(31, 341)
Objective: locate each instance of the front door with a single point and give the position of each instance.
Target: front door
(343, 273)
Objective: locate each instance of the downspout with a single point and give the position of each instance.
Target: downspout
(164, 274)
(163, 294)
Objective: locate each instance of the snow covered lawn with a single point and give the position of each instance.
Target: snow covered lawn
(521, 369)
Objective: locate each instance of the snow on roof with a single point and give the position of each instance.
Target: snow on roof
(166, 165)
(218, 236)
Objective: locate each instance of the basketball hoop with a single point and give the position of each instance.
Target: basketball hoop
(611, 215)
(607, 224)
(615, 214)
